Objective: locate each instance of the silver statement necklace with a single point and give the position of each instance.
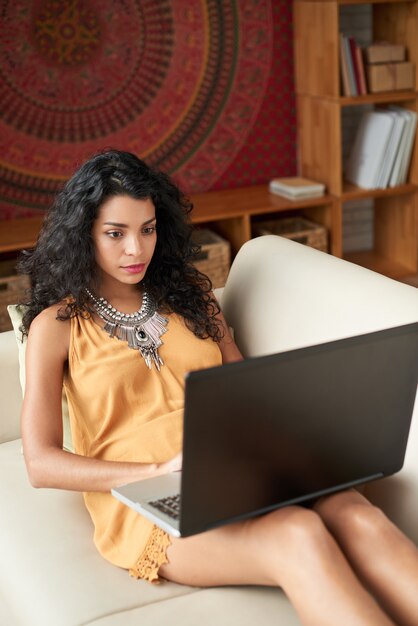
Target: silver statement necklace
(142, 329)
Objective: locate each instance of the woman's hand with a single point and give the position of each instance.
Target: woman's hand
(229, 349)
(173, 465)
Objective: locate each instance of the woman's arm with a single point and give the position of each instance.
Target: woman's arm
(47, 463)
(229, 349)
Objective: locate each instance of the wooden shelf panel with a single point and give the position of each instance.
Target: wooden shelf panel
(386, 97)
(352, 192)
(378, 98)
(256, 200)
(342, 2)
(373, 261)
(19, 234)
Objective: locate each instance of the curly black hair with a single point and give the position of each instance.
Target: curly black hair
(62, 264)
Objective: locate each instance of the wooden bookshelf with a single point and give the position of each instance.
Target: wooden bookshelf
(319, 113)
(230, 212)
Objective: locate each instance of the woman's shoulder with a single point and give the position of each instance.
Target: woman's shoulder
(46, 327)
(51, 313)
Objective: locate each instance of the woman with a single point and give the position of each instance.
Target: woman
(118, 315)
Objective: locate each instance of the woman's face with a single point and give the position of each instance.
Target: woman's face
(124, 236)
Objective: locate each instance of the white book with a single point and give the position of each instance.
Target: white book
(296, 186)
(408, 149)
(396, 170)
(368, 151)
(305, 196)
(392, 149)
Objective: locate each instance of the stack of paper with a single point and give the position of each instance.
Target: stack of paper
(382, 148)
(296, 188)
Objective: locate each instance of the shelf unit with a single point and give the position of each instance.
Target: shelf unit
(230, 212)
(233, 212)
(319, 114)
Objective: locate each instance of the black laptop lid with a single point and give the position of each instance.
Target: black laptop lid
(285, 428)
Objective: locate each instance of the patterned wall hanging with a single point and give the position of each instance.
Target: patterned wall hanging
(199, 88)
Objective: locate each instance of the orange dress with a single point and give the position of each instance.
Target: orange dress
(122, 411)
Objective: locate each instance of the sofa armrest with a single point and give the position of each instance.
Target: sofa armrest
(281, 295)
(10, 390)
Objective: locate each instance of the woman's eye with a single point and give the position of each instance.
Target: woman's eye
(114, 234)
(149, 230)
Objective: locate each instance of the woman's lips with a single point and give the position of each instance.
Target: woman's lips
(134, 269)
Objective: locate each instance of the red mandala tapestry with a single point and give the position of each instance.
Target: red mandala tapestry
(188, 85)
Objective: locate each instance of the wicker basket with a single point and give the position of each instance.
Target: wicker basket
(297, 228)
(12, 291)
(214, 258)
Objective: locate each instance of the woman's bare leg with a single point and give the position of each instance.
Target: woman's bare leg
(382, 556)
(290, 548)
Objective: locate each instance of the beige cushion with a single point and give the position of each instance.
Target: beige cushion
(282, 295)
(220, 606)
(16, 314)
(52, 575)
(10, 391)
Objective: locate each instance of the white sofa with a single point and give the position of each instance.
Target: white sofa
(279, 295)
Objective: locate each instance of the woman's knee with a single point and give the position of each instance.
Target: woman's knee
(351, 512)
(295, 543)
(293, 527)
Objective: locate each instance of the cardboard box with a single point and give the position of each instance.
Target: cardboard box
(390, 77)
(385, 53)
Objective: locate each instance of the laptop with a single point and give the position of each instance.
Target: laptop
(285, 429)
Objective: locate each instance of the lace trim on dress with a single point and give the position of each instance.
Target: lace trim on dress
(153, 556)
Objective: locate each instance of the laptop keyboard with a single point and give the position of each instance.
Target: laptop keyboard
(169, 505)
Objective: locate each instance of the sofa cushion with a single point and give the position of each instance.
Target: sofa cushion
(222, 606)
(16, 313)
(11, 397)
(47, 550)
(46, 547)
(281, 295)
